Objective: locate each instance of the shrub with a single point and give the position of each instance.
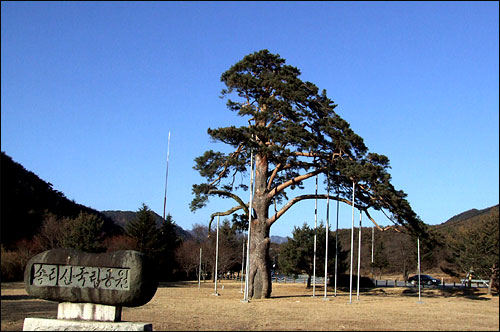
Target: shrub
(13, 262)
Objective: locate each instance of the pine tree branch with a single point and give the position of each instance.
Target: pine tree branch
(226, 213)
(297, 199)
(291, 182)
(275, 120)
(378, 227)
(231, 195)
(234, 154)
(274, 173)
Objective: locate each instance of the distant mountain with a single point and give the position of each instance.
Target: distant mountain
(25, 200)
(121, 218)
(279, 239)
(467, 218)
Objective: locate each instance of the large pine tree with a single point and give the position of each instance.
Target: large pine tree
(85, 233)
(168, 242)
(294, 134)
(143, 229)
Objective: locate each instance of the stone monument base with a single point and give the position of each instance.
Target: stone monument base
(45, 324)
(89, 311)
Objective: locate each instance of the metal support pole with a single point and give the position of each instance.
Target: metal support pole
(216, 255)
(373, 240)
(245, 295)
(315, 235)
(327, 230)
(336, 247)
(359, 252)
(352, 240)
(199, 274)
(242, 264)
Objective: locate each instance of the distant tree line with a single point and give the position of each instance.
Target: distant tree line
(455, 250)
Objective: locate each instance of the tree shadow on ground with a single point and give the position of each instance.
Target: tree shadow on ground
(472, 294)
(290, 296)
(171, 284)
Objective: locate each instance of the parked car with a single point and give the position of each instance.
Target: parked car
(424, 280)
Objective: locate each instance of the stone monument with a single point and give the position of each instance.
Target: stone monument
(91, 289)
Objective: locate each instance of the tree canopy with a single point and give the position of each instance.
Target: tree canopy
(294, 133)
(296, 129)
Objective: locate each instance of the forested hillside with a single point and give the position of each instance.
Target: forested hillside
(466, 219)
(26, 199)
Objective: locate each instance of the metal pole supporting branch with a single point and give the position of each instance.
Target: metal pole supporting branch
(315, 236)
(359, 253)
(336, 247)
(242, 265)
(199, 273)
(245, 295)
(216, 255)
(327, 230)
(352, 240)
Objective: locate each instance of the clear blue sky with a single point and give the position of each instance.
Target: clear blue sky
(90, 90)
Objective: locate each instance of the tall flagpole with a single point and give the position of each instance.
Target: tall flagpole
(166, 179)
(315, 233)
(418, 254)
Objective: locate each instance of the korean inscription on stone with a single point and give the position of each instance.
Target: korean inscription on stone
(80, 276)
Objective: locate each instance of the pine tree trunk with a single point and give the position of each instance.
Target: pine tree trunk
(260, 282)
(260, 268)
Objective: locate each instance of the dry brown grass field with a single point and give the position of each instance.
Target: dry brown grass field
(182, 306)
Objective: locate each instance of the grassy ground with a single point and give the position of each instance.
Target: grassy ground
(182, 306)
